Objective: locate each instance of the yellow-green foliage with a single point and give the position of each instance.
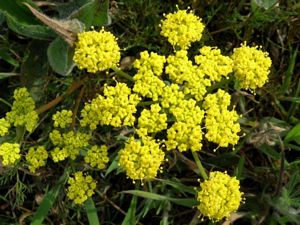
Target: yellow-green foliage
(141, 159)
(81, 187)
(96, 51)
(219, 196)
(36, 157)
(9, 153)
(251, 66)
(23, 110)
(97, 156)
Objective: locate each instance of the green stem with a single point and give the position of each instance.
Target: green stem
(122, 74)
(199, 164)
(5, 102)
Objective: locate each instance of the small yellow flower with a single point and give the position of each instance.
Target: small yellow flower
(96, 51)
(4, 126)
(182, 28)
(59, 154)
(219, 196)
(115, 108)
(97, 156)
(62, 118)
(141, 159)
(150, 62)
(184, 136)
(221, 124)
(152, 121)
(80, 187)
(9, 153)
(212, 63)
(23, 110)
(171, 96)
(251, 66)
(36, 157)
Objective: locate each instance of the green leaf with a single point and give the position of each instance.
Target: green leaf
(240, 168)
(22, 21)
(188, 202)
(293, 134)
(90, 12)
(179, 186)
(60, 57)
(269, 151)
(2, 18)
(266, 4)
(130, 215)
(17, 10)
(7, 57)
(91, 212)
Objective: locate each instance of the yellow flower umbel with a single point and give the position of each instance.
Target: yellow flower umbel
(171, 96)
(115, 108)
(36, 157)
(182, 28)
(153, 62)
(152, 121)
(62, 118)
(67, 144)
(221, 124)
(141, 159)
(4, 126)
(182, 71)
(186, 132)
(9, 153)
(219, 196)
(22, 112)
(212, 63)
(251, 66)
(97, 156)
(96, 51)
(81, 187)
(147, 81)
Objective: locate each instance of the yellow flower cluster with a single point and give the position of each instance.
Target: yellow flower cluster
(186, 132)
(219, 196)
(184, 136)
(150, 62)
(115, 108)
(171, 96)
(141, 159)
(182, 28)
(182, 71)
(36, 157)
(9, 153)
(22, 112)
(213, 63)
(146, 81)
(68, 144)
(221, 124)
(152, 121)
(96, 51)
(4, 126)
(81, 187)
(97, 156)
(62, 118)
(251, 66)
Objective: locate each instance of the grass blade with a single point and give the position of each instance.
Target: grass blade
(91, 212)
(130, 215)
(188, 202)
